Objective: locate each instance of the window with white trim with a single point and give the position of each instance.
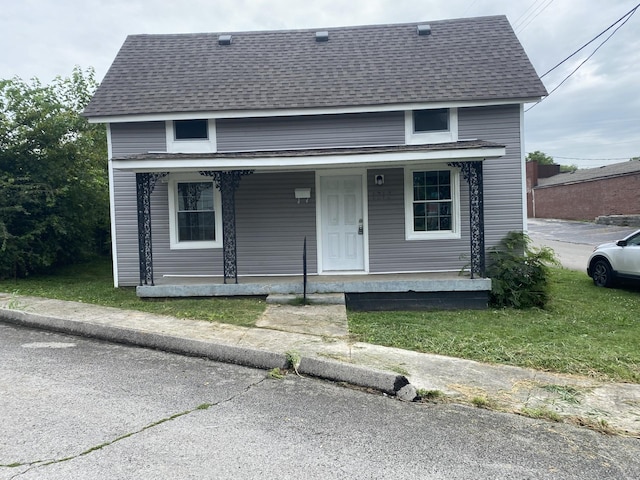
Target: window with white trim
(194, 214)
(433, 125)
(191, 136)
(432, 203)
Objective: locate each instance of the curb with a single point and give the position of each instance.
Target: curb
(391, 384)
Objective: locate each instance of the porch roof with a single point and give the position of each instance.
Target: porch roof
(466, 150)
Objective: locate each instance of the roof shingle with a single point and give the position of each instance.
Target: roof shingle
(471, 59)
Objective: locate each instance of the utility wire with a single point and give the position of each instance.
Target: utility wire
(517, 22)
(537, 13)
(630, 12)
(628, 15)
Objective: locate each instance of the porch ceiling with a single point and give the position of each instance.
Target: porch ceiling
(469, 150)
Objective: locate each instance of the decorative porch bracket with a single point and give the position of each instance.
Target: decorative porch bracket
(227, 182)
(145, 183)
(472, 173)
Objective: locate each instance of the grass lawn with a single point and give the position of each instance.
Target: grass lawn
(92, 283)
(585, 330)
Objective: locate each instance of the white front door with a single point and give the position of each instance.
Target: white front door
(342, 226)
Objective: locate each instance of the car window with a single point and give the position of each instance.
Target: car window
(634, 240)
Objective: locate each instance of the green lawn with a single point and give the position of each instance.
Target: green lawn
(92, 283)
(585, 330)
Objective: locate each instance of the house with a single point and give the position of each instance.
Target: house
(586, 194)
(394, 150)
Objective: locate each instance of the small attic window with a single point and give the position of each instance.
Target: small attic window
(224, 40)
(435, 120)
(191, 129)
(322, 36)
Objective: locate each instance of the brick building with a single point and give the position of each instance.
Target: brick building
(584, 194)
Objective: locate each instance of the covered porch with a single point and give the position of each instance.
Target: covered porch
(386, 290)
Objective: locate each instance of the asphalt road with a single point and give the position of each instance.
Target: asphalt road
(573, 242)
(78, 408)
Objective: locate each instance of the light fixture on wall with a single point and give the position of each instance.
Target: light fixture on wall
(379, 180)
(302, 193)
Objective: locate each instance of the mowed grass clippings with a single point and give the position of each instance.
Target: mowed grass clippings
(584, 330)
(93, 283)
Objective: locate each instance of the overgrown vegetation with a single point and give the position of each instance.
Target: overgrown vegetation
(519, 273)
(54, 200)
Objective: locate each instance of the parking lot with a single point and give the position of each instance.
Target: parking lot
(573, 242)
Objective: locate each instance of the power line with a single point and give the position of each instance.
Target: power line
(630, 12)
(628, 15)
(517, 22)
(539, 11)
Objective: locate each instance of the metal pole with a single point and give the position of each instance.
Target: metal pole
(304, 271)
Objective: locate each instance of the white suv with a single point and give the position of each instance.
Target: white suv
(612, 261)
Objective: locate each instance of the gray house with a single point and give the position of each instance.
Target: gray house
(392, 149)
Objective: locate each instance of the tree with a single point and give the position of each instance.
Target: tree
(540, 157)
(54, 202)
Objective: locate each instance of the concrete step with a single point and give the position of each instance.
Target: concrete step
(313, 299)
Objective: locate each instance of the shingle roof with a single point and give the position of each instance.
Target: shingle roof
(470, 59)
(588, 174)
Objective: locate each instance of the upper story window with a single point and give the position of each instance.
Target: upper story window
(431, 125)
(435, 120)
(191, 136)
(191, 129)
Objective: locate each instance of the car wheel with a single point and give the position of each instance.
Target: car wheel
(602, 274)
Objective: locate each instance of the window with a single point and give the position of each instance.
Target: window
(191, 129)
(434, 125)
(431, 203)
(194, 219)
(191, 136)
(436, 120)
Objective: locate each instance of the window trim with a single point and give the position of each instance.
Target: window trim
(410, 233)
(174, 242)
(204, 145)
(439, 136)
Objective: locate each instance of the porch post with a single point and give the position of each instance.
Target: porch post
(228, 182)
(472, 173)
(145, 183)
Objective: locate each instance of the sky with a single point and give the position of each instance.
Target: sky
(593, 119)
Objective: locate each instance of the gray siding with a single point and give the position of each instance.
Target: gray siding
(315, 131)
(388, 249)
(503, 187)
(126, 234)
(270, 225)
(140, 137)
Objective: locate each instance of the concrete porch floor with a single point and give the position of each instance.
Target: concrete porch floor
(316, 284)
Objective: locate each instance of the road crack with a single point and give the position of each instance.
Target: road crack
(203, 406)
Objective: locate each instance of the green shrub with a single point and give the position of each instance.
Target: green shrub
(519, 273)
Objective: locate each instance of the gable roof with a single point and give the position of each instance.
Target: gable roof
(469, 59)
(590, 174)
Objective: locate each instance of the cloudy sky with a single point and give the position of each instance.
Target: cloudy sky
(591, 120)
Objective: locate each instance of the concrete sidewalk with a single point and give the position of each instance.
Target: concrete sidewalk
(317, 335)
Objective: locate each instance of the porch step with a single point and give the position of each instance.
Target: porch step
(313, 298)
